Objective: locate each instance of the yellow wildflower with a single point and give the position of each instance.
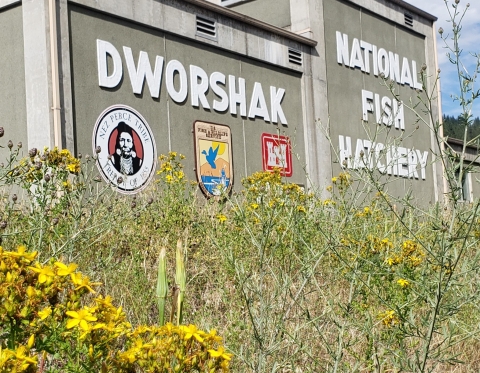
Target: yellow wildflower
(43, 314)
(221, 218)
(44, 273)
(80, 318)
(21, 253)
(63, 270)
(389, 318)
(221, 353)
(192, 331)
(403, 283)
(20, 354)
(82, 282)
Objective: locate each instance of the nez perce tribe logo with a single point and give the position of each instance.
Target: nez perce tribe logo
(128, 155)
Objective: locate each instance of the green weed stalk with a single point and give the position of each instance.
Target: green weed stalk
(162, 286)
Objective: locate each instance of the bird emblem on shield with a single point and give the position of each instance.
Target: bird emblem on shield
(213, 158)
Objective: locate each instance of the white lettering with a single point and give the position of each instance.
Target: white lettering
(105, 48)
(216, 78)
(342, 48)
(345, 151)
(406, 76)
(175, 67)
(367, 48)
(356, 59)
(237, 98)
(383, 62)
(367, 107)
(198, 86)
(276, 98)
(258, 106)
(144, 71)
(394, 66)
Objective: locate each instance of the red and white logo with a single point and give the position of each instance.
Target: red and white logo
(277, 153)
(127, 157)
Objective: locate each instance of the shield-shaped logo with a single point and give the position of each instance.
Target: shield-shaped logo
(213, 158)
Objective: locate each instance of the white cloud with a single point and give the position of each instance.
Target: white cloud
(469, 43)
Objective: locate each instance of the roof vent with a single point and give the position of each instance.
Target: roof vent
(295, 56)
(408, 19)
(206, 27)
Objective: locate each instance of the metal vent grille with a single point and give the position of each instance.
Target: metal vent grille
(206, 27)
(294, 56)
(408, 19)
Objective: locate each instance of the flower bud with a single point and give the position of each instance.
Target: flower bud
(32, 152)
(19, 145)
(98, 149)
(3, 224)
(47, 177)
(120, 180)
(87, 157)
(43, 157)
(150, 201)
(38, 165)
(80, 155)
(55, 221)
(10, 144)
(134, 204)
(439, 71)
(457, 1)
(2, 132)
(14, 198)
(440, 31)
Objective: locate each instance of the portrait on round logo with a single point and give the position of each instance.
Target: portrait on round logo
(213, 158)
(127, 157)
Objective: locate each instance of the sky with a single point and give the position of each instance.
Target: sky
(469, 43)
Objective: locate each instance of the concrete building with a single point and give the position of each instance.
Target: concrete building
(236, 86)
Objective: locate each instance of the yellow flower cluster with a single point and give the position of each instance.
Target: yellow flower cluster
(343, 180)
(43, 302)
(372, 245)
(63, 159)
(33, 168)
(389, 318)
(171, 170)
(411, 255)
(270, 185)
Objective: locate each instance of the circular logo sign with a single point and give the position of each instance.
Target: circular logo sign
(128, 156)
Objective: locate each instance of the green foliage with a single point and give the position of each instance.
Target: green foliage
(45, 324)
(455, 127)
(296, 281)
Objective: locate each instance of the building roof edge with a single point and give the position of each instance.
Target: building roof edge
(252, 21)
(415, 10)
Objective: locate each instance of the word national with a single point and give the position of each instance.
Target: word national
(198, 85)
(388, 159)
(370, 58)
